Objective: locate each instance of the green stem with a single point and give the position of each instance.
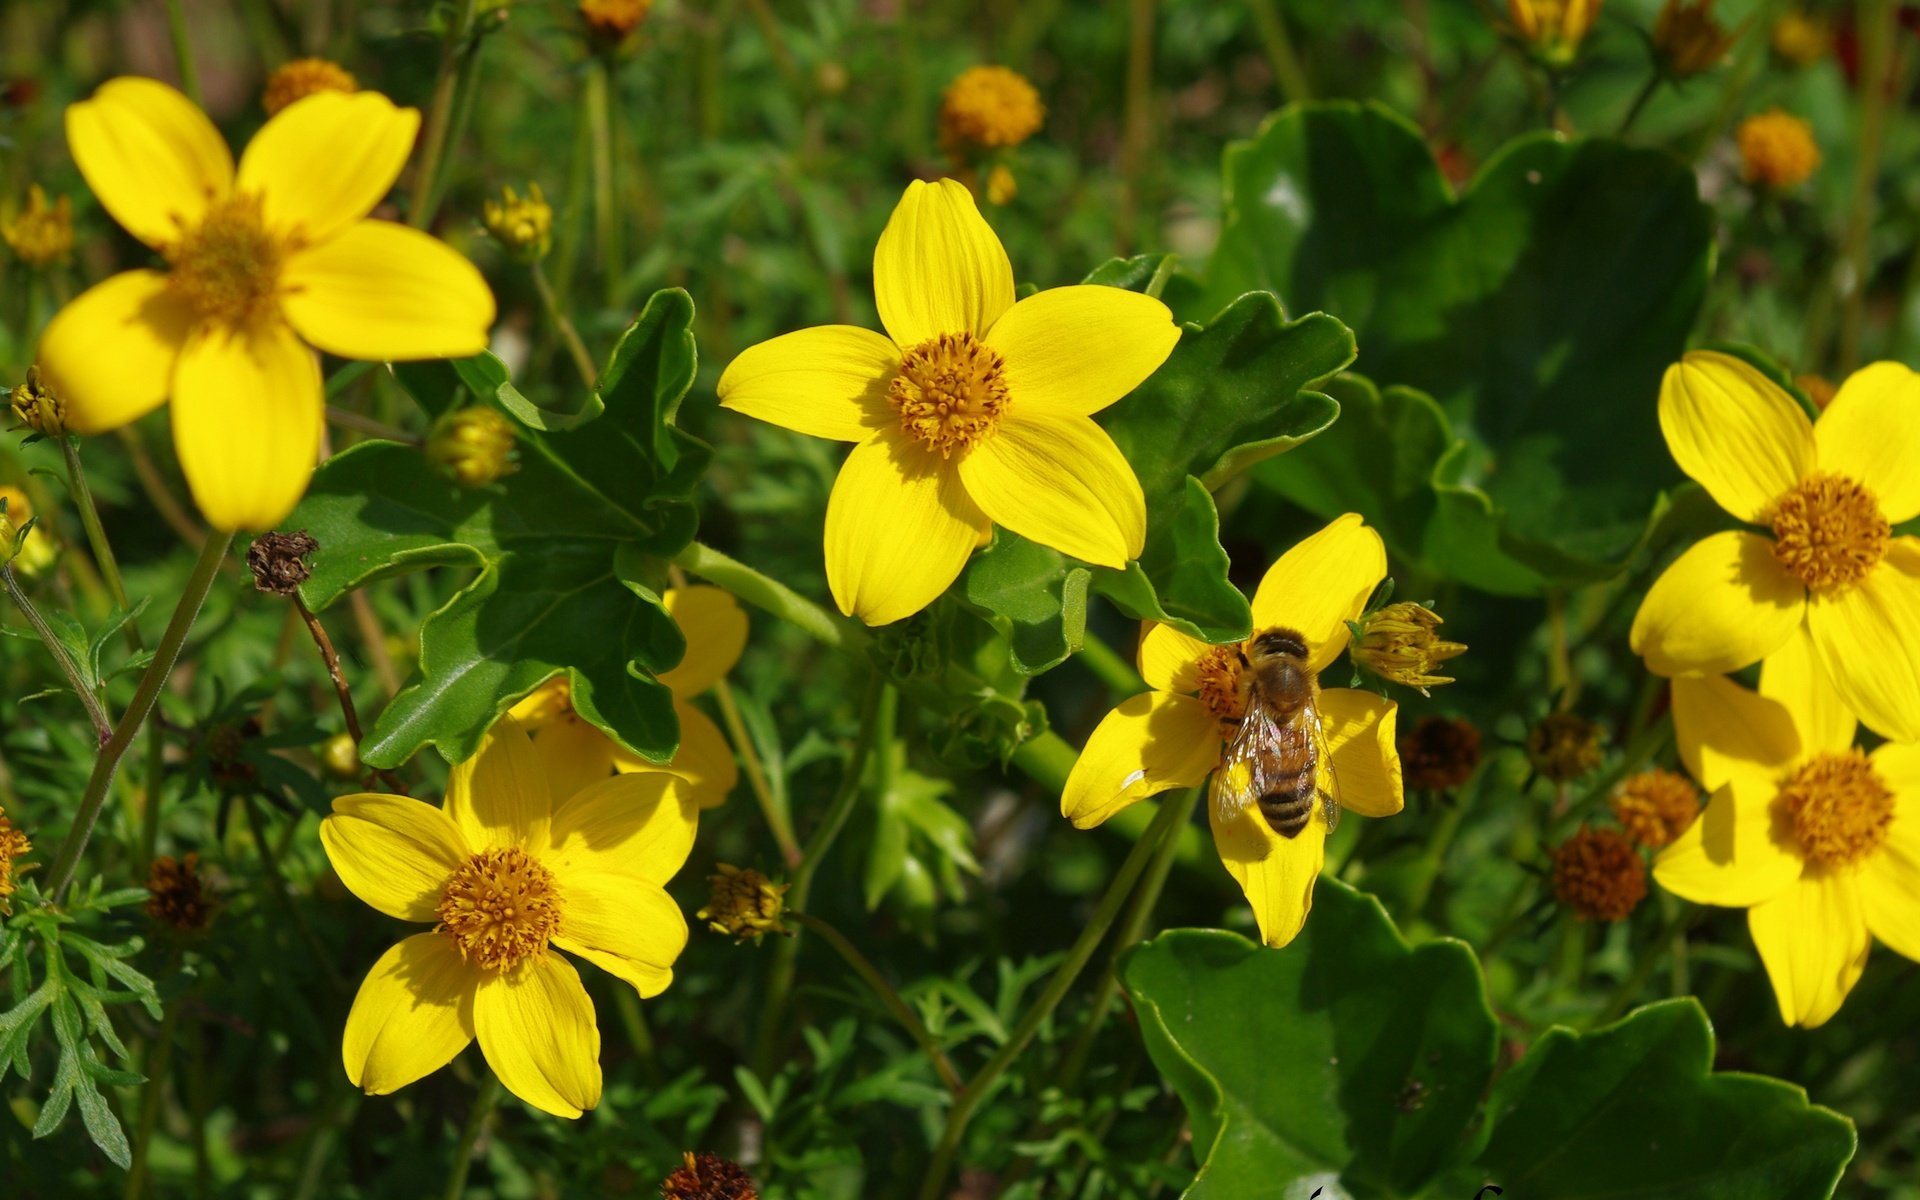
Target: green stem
(606, 220)
(582, 361)
(183, 52)
(1640, 99)
(889, 999)
(433, 143)
(96, 536)
(1672, 929)
(1111, 669)
(212, 553)
(284, 894)
(1172, 810)
(483, 1104)
(326, 1131)
(638, 1032)
(89, 699)
(159, 1054)
(1280, 53)
(761, 591)
(1047, 760)
(1434, 858)
(772, 806)
(1877, 26)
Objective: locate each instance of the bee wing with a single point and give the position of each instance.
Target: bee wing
(1329, 795)
(1244, 774)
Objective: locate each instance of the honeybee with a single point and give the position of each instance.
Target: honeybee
(1274, 757)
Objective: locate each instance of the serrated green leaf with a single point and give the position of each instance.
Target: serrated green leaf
(565, 550)
(1347, 1057)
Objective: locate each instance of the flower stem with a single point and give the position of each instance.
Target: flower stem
(1433, 859)
(340, 689)
(212, 553)
(1280, 53)
(1877, 27)
(1165, 825)
(96, 536)
(483, 1105)
(582, 361)
(1111, 669)
(606, 221)
(889, 998)
(89, 699)
(761, 591)
(1047, 760)
(183, 52)
(1640, 99)
(774, 808)
(434, 140)
(155, 486)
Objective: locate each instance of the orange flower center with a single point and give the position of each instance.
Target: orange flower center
(950, 392)
(1838, 807)
(499, 908)
(1222, 685)
(228, 266)
(1829, 531)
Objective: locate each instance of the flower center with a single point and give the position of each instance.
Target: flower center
(950, 392)
(1828, 531)
(228, 266)
(500, 907)
(1222, 687)
(1839, 808)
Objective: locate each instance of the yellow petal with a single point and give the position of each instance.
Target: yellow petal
(381, 291)
(551, 701)
(1793, 677)
(1890, 879)
(393, 852)
(1276, 873)
(573, 754)
(1170, 660)
(716, 630)
(1151, 742)
(110, 353)
(1813, 941)
(536, 1027)
(826, 382)
(1320, 584)
(412, 1015)
(1078, 349)
(1725, 732)
(640, 825)
(1736, 431)
(704, 761)
(1359, 728)
(1868, 639)
(1871, 433)
(1058, 479)
(1737, 854)
(938, 267)
(501, 796)
(1723, 604)
(899, 529)
(322, 163)
(247, 409)
(150, 155)
(624, 925)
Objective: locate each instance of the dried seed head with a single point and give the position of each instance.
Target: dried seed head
(745, 903)
(279, 561)
(1599, 875)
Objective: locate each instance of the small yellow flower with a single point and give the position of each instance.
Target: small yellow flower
(522, 225)
(1656, 806)
(266, 263)
(989, 108)
(1687, 40)
(1175, 735)
(1802, 38)
(1554, 29)
(13, 844)
(508, 869)
(27, 554)
(973, 411)
(1563, 746)
(1829, 492)
(745, 903)
(1819, 842)
(1401, 644)
(1001, 185)
(1776, 149)
(37, 406)
(303, 77)
(1599, 875)
(472, 446)
(41, 234)
(578, 754)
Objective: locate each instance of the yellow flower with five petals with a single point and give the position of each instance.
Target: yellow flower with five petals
(1174, 735)
(511, 867)
(576, 754)
(972, 411)
(266, 262)
(1819, 842)
(1830, 491)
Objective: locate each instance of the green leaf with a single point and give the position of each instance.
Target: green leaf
(1538, 310)
(1347, 1057)
(1035, 596)
(1636, 1109)
(1181, 577)
(567, 553)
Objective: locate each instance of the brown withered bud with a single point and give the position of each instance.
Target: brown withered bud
(279, 561)
(708, 1177)
(175, 896)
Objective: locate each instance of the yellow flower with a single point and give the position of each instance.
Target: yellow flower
(1829, 491)
(1819, 842)
(1172, 737)
(302, 77)
(13, 844)
(37, 550)
(1002, 187)
(973, 411)
(1687, 40)
(266, 263)
(37, 406)
(523, 225)
(511, 867)
(1401, 643)
(579, 754)
(42, 233)
(1777, 149)
(989, 108)
(473, 446)
(1554, 28)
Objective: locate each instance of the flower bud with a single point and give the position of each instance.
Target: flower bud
(988, 108)
(522, 226)
(279, 561)
(1802, 38)
(13, 844)
(1563, 747)
(1553, 29)
(175, 896)
(23, 542)
(1657, 806)
(745, 903)
(340, 757)
(1001, 185)
(611, 22)
(708, 1177)
(1687, 40)
(41, 234)
(1399, 643)
(472, 446)
(1439, 753)
(1599, 875)
(37, 407)
(304, 77)
(1776, 149)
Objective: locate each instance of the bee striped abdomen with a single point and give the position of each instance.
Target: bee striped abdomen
(1289, 801)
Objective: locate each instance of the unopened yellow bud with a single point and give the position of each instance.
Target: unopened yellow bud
(28, 552)
(1400, 643)
(41, 234)
(37, 407)
(303, 77)
(1001, 186)
(1553, 29)
(1802, 38)
(341, 757)
(522, 225)
(472, 446)
(745, 903)
(1687, 40)
(1776, 149)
